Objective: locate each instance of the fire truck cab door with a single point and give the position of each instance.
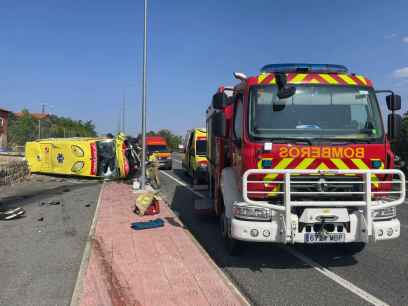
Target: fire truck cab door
(237, 136)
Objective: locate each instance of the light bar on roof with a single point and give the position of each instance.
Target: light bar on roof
(301, 67)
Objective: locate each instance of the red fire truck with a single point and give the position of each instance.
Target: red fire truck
(299, 154)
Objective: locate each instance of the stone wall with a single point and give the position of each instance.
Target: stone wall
(12, 170)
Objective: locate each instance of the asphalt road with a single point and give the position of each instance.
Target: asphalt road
(273, 275)
(40, 254)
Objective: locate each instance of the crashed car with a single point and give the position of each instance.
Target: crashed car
(102, 157)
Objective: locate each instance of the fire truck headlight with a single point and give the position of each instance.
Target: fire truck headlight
(386, 213)
(251, 212)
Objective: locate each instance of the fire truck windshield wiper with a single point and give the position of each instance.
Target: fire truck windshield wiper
(292, 140)
(341, 141)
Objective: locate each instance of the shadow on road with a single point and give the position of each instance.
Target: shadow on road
(27, 193)
(254, 256)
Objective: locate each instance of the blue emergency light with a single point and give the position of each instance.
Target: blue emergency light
(305, 68)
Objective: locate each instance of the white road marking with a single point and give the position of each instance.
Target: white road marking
(183, 184)
(329, 274)
(338, 279)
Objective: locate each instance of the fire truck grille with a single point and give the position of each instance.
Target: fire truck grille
(310, 185)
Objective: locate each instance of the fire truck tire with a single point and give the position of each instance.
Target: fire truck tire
(232, 246)
(353, 248)
(195, 179)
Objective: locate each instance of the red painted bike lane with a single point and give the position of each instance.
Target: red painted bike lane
(161, 266)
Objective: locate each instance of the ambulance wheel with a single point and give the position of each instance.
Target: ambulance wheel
(353, 247)
(232, 245)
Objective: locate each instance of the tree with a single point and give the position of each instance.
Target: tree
(22, 129)
(25, 128)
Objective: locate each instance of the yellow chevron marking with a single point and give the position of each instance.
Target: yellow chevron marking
(322, 166)
(362, 79)
(273, 81)
(314, 81)
(328, 78)
(298, 78)
(340, 165)
(347, 79)
(304, 164)
(283, 164)
(262, 77)
(361, 165)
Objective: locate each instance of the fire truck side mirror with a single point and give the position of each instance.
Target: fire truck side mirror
(393, 102)
(218, 124)
(394, 126)
(219, 100)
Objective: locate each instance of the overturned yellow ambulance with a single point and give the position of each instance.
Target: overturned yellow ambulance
(90, 157)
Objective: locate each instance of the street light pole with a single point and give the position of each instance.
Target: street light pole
(144, 93)
(123, 113)
(39, 120)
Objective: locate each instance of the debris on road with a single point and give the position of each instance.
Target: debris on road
(54, 203)
(147, 204)
(147, 224)
(9, 214)
(40, 219)
(88, 205)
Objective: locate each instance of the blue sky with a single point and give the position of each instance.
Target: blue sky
(83, 56)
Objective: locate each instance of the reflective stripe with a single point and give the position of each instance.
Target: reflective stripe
(347, 79)
(362, 79)
(305, 163)
(298, 78)
(283, 164)
(314, 78)
(328, 78)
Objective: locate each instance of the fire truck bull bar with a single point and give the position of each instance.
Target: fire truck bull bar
(369, 199)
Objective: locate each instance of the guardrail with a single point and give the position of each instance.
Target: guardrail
(367, 189)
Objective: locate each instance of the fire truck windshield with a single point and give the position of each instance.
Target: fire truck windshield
(315, 112)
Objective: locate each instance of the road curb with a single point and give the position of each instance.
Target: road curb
(224, 277)
(76, 295)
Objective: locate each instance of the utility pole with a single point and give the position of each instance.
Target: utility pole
(39, 120)
(123, 113)
(144, 93)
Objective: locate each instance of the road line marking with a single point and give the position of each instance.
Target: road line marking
(76, 295)
(338, 279)
(183, 184)
(329, 274)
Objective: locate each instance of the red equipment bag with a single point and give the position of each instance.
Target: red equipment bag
(153, 209)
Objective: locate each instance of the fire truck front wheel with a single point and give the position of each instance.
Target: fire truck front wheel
(232, 245)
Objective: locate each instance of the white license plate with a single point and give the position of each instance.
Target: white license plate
(327, 237)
